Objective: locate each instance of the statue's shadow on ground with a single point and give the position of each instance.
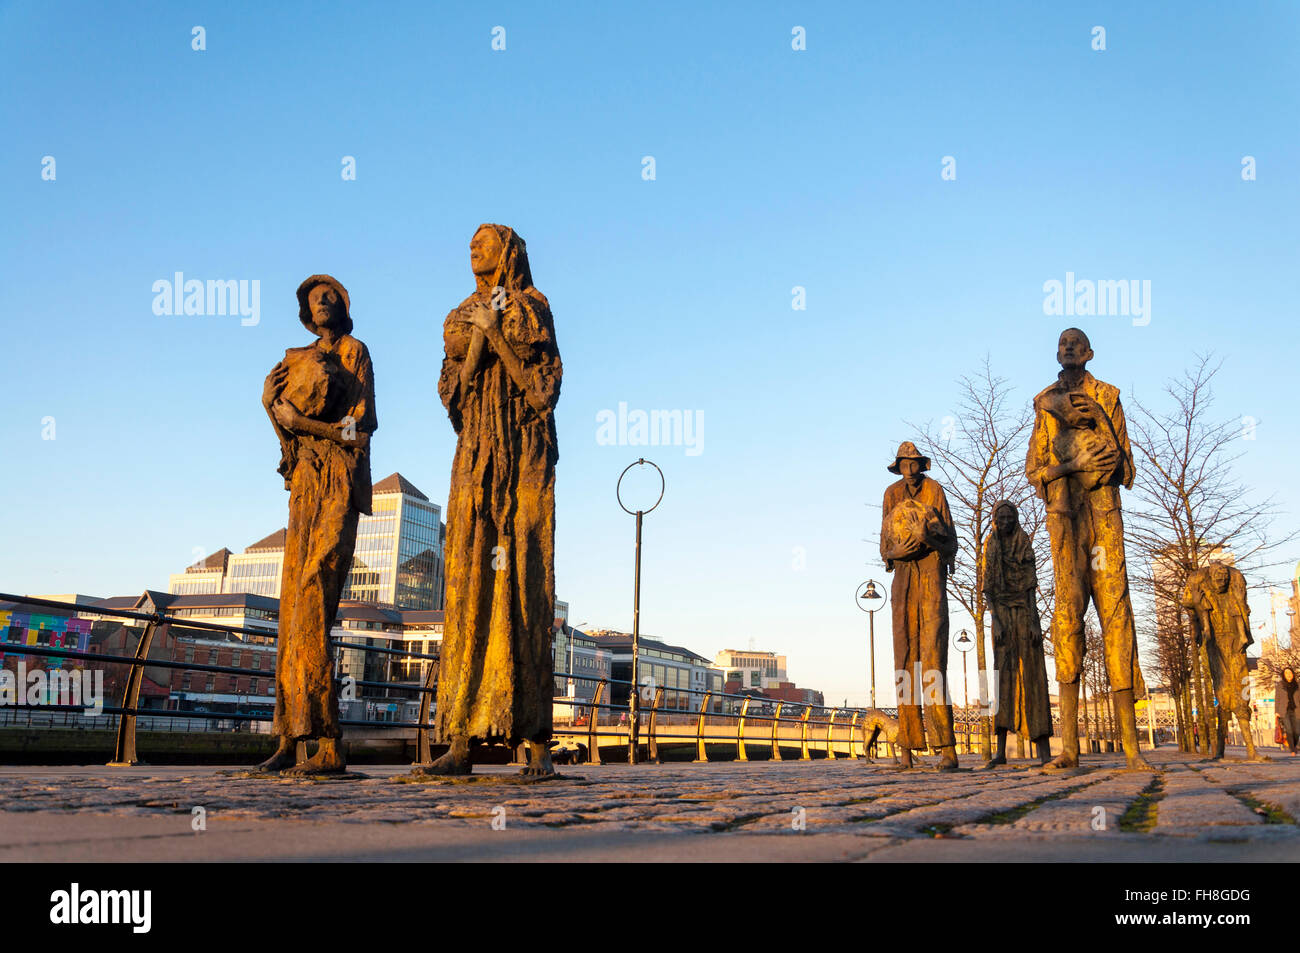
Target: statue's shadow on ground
(254, 775)
(521, 779)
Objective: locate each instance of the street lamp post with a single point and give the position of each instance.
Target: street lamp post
(870, 599)
(633, 716)
(964, 644)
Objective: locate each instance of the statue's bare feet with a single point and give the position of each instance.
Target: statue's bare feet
(327, 760)
(949, 761)
(285, 757)
(1064, 761)
(539, 761)
(454, 763)
(993, 762)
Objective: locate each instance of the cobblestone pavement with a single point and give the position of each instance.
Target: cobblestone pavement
(1189, 809)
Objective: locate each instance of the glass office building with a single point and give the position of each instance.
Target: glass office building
(397, 560)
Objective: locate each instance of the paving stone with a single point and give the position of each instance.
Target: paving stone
(1192, 802)
(873, 802)
(1095, 808)
(991, 797)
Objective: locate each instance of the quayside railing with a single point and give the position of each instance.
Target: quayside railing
(710, 725)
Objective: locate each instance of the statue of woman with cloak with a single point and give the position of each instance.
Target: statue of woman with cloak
(500, 382)
(1011, 590)
(321, 401)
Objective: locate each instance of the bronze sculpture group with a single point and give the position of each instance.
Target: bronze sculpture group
(1079, 457)
(500, 382)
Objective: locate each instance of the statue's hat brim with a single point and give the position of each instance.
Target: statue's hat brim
(907, 451)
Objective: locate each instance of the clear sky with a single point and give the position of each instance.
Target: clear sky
(774, 168)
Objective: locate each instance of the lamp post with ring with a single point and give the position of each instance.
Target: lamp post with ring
(870, 598)
(633, 696)
(964, 643)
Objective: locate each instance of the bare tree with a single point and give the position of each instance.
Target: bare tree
(978, 455)
(1191, 509)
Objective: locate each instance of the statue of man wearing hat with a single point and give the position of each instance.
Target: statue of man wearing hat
(918, 544)
(321, 401)
(1079, 456)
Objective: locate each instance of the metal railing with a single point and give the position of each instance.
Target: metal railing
(820, 731)
(738, 723)
(129, 712)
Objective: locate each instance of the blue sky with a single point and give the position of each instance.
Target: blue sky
(775, 168)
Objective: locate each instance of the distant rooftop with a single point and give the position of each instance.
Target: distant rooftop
(216, 561)
(396, 483)
(616, 640)
(271, 544)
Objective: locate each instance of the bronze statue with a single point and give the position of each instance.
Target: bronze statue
(918, 544)
(1079, 456)
(1215, 600)
(500, 382)
(1010, 588)
(321, 401)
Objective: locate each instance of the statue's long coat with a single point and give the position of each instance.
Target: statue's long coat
(496, 669)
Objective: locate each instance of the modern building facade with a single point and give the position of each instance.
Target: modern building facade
(684, 675)
(751, 669)
(762, 674)
(586, 662)
(398, 560)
